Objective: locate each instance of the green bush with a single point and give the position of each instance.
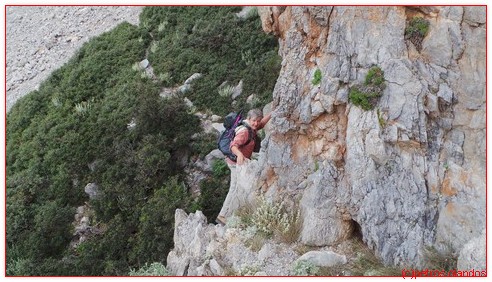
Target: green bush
(305, 268)
(214, 42)
(317, 77)
(276, 219)
(220, 168)
(367, 95)
(154, 269)
(417, 25)
(375, 76)
(213, 191)
(204, 144)
(154, 238)
(416, 30)
(362, 99)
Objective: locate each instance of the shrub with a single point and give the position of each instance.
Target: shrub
(367, 95)
(416, 31)
(249, 270)
(317, 77)
(253, 12)
(226, 91)
(154, 238)
(214, 42)
(375, 76)
(278, 220)
(154, 269)
(212, 195)
(362, 99)
(220, 168)
(305, 268)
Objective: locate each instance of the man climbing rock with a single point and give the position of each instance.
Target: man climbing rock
(243, 145)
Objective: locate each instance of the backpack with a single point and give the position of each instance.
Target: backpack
(231, 122)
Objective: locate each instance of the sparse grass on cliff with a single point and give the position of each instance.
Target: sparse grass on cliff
(154, 269)
(433, 259)
(363, 262)
(272, 219)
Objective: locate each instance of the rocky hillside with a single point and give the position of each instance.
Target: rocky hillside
(41, 39)
(406, 169)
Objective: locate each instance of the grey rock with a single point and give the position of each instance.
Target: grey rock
(389, 179)
(211, 157)
(445, 93)
(473, 256)
(185, 88)
(437, 45)
(144, 64)
(475, 15)
(188, 102)
(216, 269)
(92, 190)
(218, 126)
(245, 12)
(215, 118)
(238, 90)
(192, 78)
(323, 224)
(251, 100)
(323, 258)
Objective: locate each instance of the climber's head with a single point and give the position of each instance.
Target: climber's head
(254, 118)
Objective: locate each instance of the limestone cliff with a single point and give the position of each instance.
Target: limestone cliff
(409, 173)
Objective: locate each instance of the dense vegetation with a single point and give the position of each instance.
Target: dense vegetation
(228, 51)
(74, 130)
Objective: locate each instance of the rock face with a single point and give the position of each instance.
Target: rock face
(202, 249)
(407, 175)
(473, 254)
(411, 172)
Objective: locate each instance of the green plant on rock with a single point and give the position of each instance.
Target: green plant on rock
(417, 28)
(249, 270)
(365, 100)
(275, 219)
(375, 76)
(367, 95)
(226, 91)
(305, 268)
(317, 77)
(220, 168)
(381, 121)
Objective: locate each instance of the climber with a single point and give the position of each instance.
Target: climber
(242, 146)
